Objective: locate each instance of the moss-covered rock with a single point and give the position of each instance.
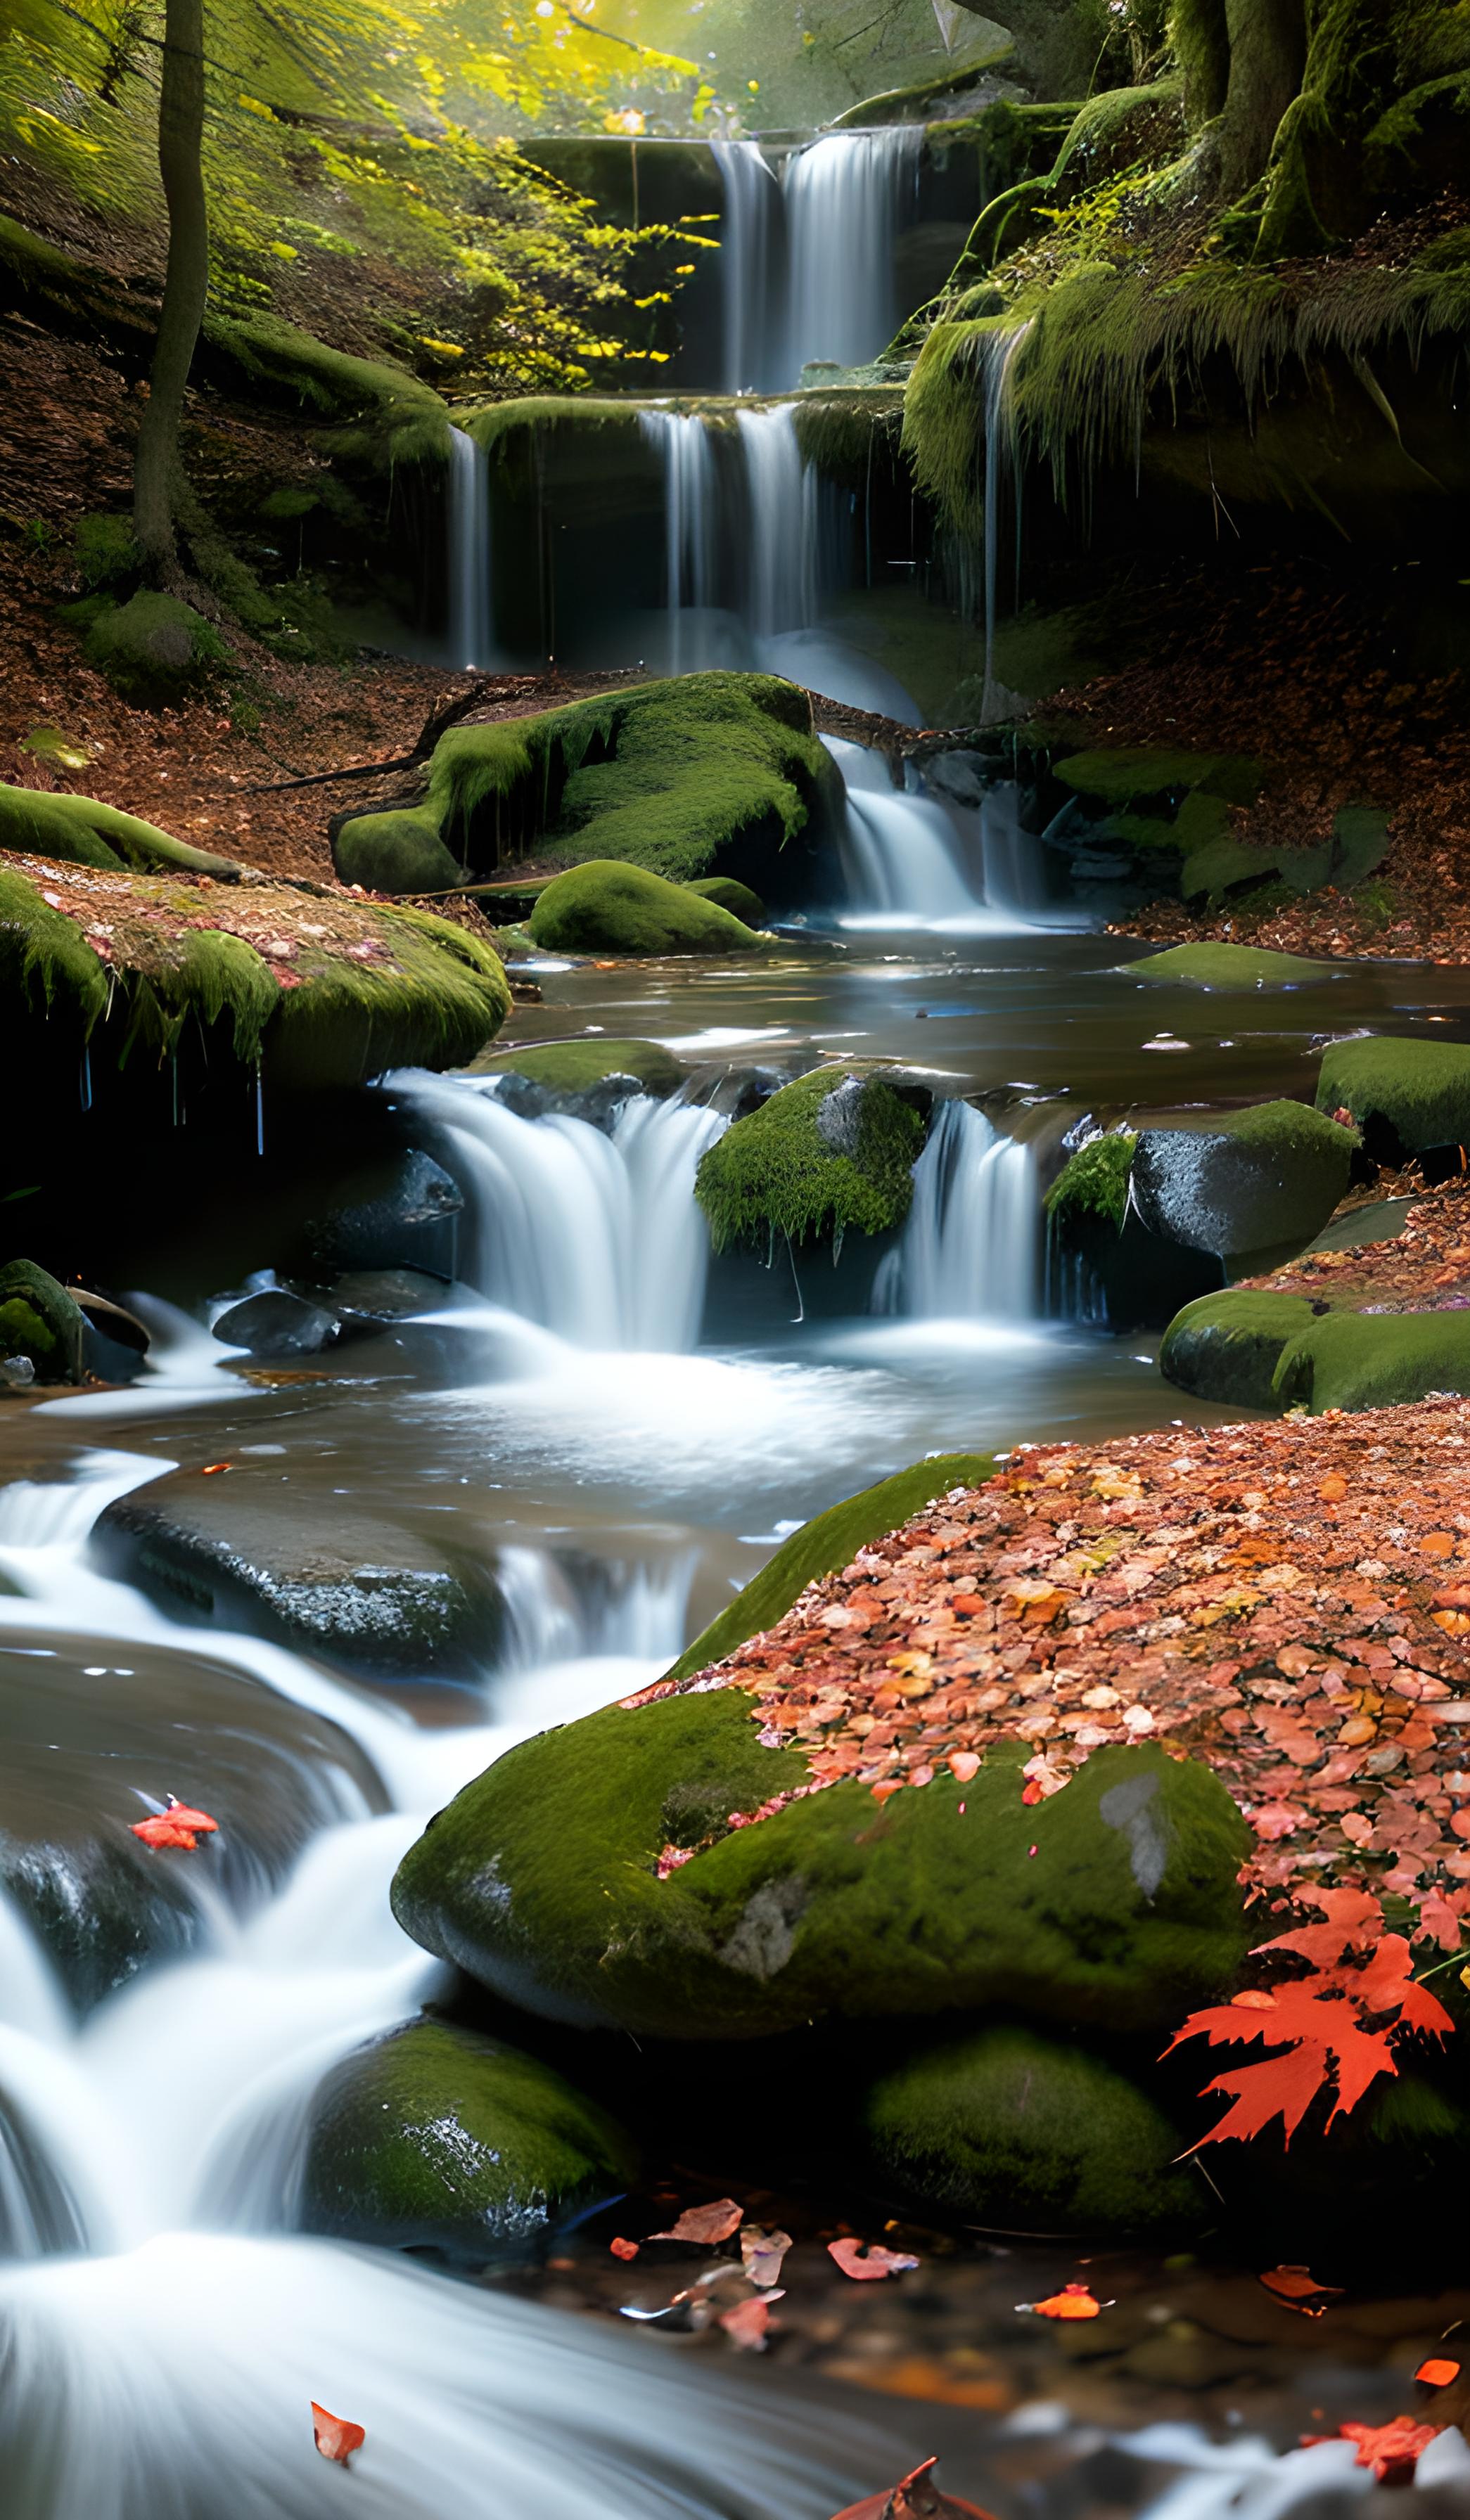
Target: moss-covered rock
(1126, 775)
(828, 1542)
(107, 554)
(1218, 863)
(1372, 1360)
(1403, 1095)
(1092, 1185)
(831, 1154)
(606, 907)
(1254, 1180)
(1211, 965)
(571, 1066)
(153, 650)
(735, 897)
(541, 1879)
(382, 416)
(79, 831)
(397, 852)
(438, 2138)
(38, 1319)
(1226, 1347)
(1010, 2128)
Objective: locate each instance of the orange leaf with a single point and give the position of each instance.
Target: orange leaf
(1391, 2450)
(1435, 2374)
(705, 2224)
(1333, 1488)
(915, 2496)
(746, 2324)
(868, 2264)
(335, 2439)
(1073, 2300)
(211, 1469)
(178, 1826)
(627, 2250)
(1298, 2289)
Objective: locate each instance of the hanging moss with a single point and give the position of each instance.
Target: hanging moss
(807, 1167)
(1095, 1183)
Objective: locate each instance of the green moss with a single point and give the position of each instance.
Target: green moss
(606, 907)
(737, 898)
(80, 832)
(1094, 1184)
(1011, 2130)
(1419, 1091)
(540, 1878)
(446, 995)
(153, 650)
(1357, 844)
(1123, 128)
(842, 429)
(438, 2138)
(1229, 966)
(1373, 1360)
(106, 553)
(386, 417)
(804, 1168)
(1226, 1347)
(395, 852)
(1120, 777)
(571, 1066)
(826, 1545)
(45, 959)
(38, 1319)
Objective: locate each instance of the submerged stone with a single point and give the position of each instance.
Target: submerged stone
(438, 2138)
(1211, 965)
(1007, 2127)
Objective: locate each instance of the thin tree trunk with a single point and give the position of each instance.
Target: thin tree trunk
(1267, 57)
(182, 120)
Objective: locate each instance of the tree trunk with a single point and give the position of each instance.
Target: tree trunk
(181, 119)
(1267, 57)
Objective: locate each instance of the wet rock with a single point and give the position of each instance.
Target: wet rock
(1258, 1180)
(96, 1734)
(962, 777)
(1403, 1095)
(277, 1323)
(598, 1105)
(1005, 2127)
(1227, 1346)
(605, 907)
(438, 2138)
(375, 1298)
(399, 1214)
(40, 1320)
(1219, 965)
(276, 1552)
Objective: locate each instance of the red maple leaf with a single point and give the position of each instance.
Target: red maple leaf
(179, 1825)
(334, 2438)
(1393, 2451)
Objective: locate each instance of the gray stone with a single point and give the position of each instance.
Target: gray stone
(277, 1323)
(1263, 1178)
(401, 1217)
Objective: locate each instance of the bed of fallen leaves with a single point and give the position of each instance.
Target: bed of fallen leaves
(1424, 1269)
(130, 921)
(1287, 1601)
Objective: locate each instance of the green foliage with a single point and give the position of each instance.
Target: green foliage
(153, 650)
(787, 1169)
(605, 906)
(824, 1547)
(1093, 1183)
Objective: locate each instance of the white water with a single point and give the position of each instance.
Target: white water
(999, 353)
(591, 1236)
(846, 199)
(911, 862)
(748, 269)
(970, 1245)
(691, 525)
(470, 630)
(783, 523)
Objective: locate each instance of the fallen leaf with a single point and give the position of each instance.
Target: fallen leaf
(761, 2254)
(1073, 2300)
(1297, 2288)
(746, 2324)
(964, 1764)
(179, 1825)
(1437, 2373)
(1393, 2451)
(867, 2264)
(627, 2250)
(704, 2225)
(1333, 1488)
(915, 2496)
(335, 2439)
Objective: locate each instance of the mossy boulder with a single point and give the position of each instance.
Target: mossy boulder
(438, 2138)
(1254, 1181)
(1011, 2129)
(832, 1153)
(605, 907)
(1123, 774)
(1372, 1360)
(827, 1543)
(81, 831)
(397, 852)
(1101, 1250)
(735, 897)
(1115, 1902)
(1220, 862)
(1094, 1184)
(153, 650)
(1227, 1346)
(1403, 1095)
(107, 554)
(1230, 967)
(373, 413)
(572, 1066)
(38, 1319)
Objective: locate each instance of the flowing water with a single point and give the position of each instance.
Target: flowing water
(470, 630)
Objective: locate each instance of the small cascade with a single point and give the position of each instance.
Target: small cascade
(594, 1236)
(784, 521)
(845, 202)
(907, 860)
(1000, 351)
(749, 234)
(970, 1245)
(691, 524)
(470, 633)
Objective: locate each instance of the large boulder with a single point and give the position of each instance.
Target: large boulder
(830, 1154)
(1372, 1360)
(438, 2138)
(735, 897)
(1403, 1095)
(153, 650)
(395, 852)
(1253, 1180)
(594, 1875)
(1004, 2127)
(95, 1733)
(41, 1321)
(604, 907)
(1227, 1346)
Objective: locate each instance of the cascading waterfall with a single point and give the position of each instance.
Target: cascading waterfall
(748, 266)
(782, 491)
(908, 861)
(970, 1245)
(999, 353)
(471, 632)
(594, 1236)
(845, 200)
(691, 524)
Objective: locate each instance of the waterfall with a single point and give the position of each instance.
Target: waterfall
(906, 856)
(747, 239)
(845, 198)
(783, 523)
(969, 1248)
(691, 521)
(471, 631)
(999, 353)
(593, 1236)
